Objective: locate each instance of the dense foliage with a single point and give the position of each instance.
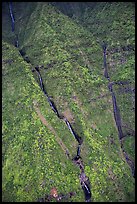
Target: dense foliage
(71, 58)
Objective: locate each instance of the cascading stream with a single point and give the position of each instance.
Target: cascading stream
(77, 159)
(84, 180)
(116, 111)
(13, 24)
(115, 107)
(12, 17)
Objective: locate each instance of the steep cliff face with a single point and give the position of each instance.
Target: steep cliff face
(69, 54)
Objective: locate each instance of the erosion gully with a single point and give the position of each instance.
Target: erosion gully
(77, 160)
(116, 110)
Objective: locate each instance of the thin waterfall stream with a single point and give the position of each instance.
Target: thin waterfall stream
(116, 111)
(77, 160)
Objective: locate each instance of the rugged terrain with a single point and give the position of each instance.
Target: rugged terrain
(68, 51)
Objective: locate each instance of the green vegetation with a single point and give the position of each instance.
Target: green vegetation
(72, 59)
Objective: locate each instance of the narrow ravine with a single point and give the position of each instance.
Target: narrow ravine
(84, 180)
(77, 160)
(116, 111)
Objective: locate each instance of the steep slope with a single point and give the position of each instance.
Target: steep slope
(116, 30)
(30, 162)
(71, 67)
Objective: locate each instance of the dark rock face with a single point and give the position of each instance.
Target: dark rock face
(116, 110)
(22, 52)
(87, 193)
(85, 183)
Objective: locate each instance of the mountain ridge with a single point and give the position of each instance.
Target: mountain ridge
(101, 163)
